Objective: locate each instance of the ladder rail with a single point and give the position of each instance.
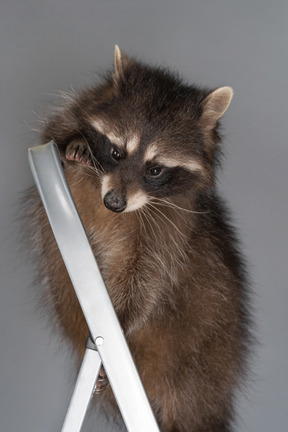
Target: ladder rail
(90, 289)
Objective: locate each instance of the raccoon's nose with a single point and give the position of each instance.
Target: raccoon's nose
(115, 202)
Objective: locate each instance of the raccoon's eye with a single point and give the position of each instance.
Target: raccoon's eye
(155, 171)
(115, 154)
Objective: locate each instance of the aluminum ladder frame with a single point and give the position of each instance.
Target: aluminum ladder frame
(108, 345)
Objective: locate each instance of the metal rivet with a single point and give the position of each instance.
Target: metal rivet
(99, 341)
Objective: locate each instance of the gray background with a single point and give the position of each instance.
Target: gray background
(53, 45)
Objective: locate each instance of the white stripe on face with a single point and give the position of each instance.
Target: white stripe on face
(136, 201)
(153, 154)
(101, 127)
(106, 185)
(132, 144)
(191, 165)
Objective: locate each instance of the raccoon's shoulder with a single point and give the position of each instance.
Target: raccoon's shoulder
(215, 221)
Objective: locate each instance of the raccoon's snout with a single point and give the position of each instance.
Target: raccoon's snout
(115, 202)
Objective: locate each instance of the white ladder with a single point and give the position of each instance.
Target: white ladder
(108, 345)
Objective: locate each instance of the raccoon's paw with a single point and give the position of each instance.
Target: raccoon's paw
(77, 151)
(102, 382)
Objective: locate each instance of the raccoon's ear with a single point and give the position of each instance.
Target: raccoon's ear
(121, 62)
(214, 106)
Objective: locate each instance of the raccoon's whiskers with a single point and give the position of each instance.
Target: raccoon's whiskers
(176, 254)
(150, 220)
(94, 170)
(95, 162)
(150, 204)
(141, 222)
(170, 204)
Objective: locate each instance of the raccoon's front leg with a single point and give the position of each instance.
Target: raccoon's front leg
(78, 151)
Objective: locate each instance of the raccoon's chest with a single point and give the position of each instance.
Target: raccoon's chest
(140, 266)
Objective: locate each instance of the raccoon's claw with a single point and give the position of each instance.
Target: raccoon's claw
(77, 151)
(102, 382)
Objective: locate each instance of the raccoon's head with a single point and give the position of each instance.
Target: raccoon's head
(152, 137)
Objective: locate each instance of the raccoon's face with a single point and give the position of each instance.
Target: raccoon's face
(151, 136)
(136, 169)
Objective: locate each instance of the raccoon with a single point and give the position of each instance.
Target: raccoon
(140, 152)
